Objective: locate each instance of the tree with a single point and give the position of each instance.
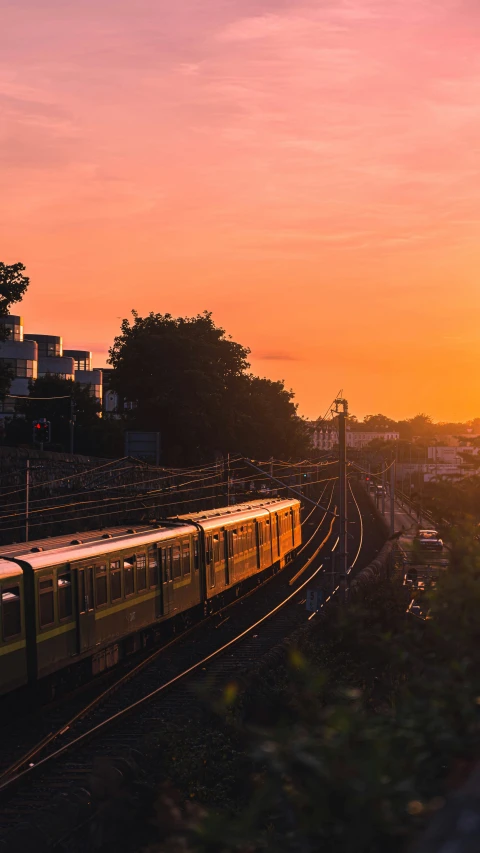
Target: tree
(189, 381)
(378, 423)
(263, 420)
(13, 285)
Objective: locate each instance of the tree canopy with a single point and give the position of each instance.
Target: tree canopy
(13, 285)
(189, 381)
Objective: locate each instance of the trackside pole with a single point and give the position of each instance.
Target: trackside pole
(392, 498)
(342, 556)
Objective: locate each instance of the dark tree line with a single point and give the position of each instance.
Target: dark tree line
(190, 382)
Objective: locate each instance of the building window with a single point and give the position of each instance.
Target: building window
(13, 332)
(23, 368)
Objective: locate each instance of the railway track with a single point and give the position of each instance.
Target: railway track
(211, 654)
(48, 725)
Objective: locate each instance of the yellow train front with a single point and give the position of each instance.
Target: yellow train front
(80, 604)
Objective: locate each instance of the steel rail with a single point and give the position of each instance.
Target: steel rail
(9, 780)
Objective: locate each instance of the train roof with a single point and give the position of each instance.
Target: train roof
(104, 543)
(9, 570)
(91, 544)
(237, 513)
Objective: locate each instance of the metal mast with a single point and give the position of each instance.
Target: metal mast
(342, 414)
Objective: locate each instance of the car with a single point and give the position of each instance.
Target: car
(429, 540)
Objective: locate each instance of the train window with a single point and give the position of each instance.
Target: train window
(115, 580)
(166, 564)
(64, 588)
(46, 603)
(101, 589)
(128, 577)
(234, 542)
(152, 567)
(230, 543)
(216, 548)
(260, 533)
(196, 562)
(177, 569)
(141, 572)
(11, 612)
(186, 556)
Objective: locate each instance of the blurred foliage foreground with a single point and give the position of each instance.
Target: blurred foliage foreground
(348, 740)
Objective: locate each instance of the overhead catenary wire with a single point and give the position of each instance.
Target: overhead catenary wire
(137, 499)
(170, 493)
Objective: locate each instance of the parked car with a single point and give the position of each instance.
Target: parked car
(429, 540)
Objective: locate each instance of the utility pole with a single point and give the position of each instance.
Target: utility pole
(27, 498)
(72, 423)
(342, 556)
(392, 498)
(384, 488)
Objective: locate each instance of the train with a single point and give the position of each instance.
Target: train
(79, 605)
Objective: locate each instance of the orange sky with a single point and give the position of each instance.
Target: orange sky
(308, 172)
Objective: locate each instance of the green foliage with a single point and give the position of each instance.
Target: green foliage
(13, 285)
(359, 733)
(190, 382)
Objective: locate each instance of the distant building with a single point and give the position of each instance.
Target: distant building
(113, 404)
(81, 357)
(448, 455)
(361, 439)
(324, 437)
(32, 355)
(21, 356)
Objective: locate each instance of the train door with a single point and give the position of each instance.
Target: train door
(167, 579)
(210, 564)
(86, 609)
(228, 551)
(259, 543)
(276, 532)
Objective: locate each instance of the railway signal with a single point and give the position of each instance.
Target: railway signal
(41, 431)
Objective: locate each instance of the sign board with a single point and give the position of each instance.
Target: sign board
(143, 445)
(315, 599)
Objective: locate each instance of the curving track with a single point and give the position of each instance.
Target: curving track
(215, 651)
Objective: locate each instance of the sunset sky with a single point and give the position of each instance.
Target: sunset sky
(307, 171)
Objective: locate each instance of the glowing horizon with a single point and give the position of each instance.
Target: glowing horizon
(307, 173)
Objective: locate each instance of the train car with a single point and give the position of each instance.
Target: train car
(90, 600)
(13, 654)
(246, 539)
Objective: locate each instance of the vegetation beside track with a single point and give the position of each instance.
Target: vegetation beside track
(348, 741)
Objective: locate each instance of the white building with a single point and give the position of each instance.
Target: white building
(31, 355)
(324, 437)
